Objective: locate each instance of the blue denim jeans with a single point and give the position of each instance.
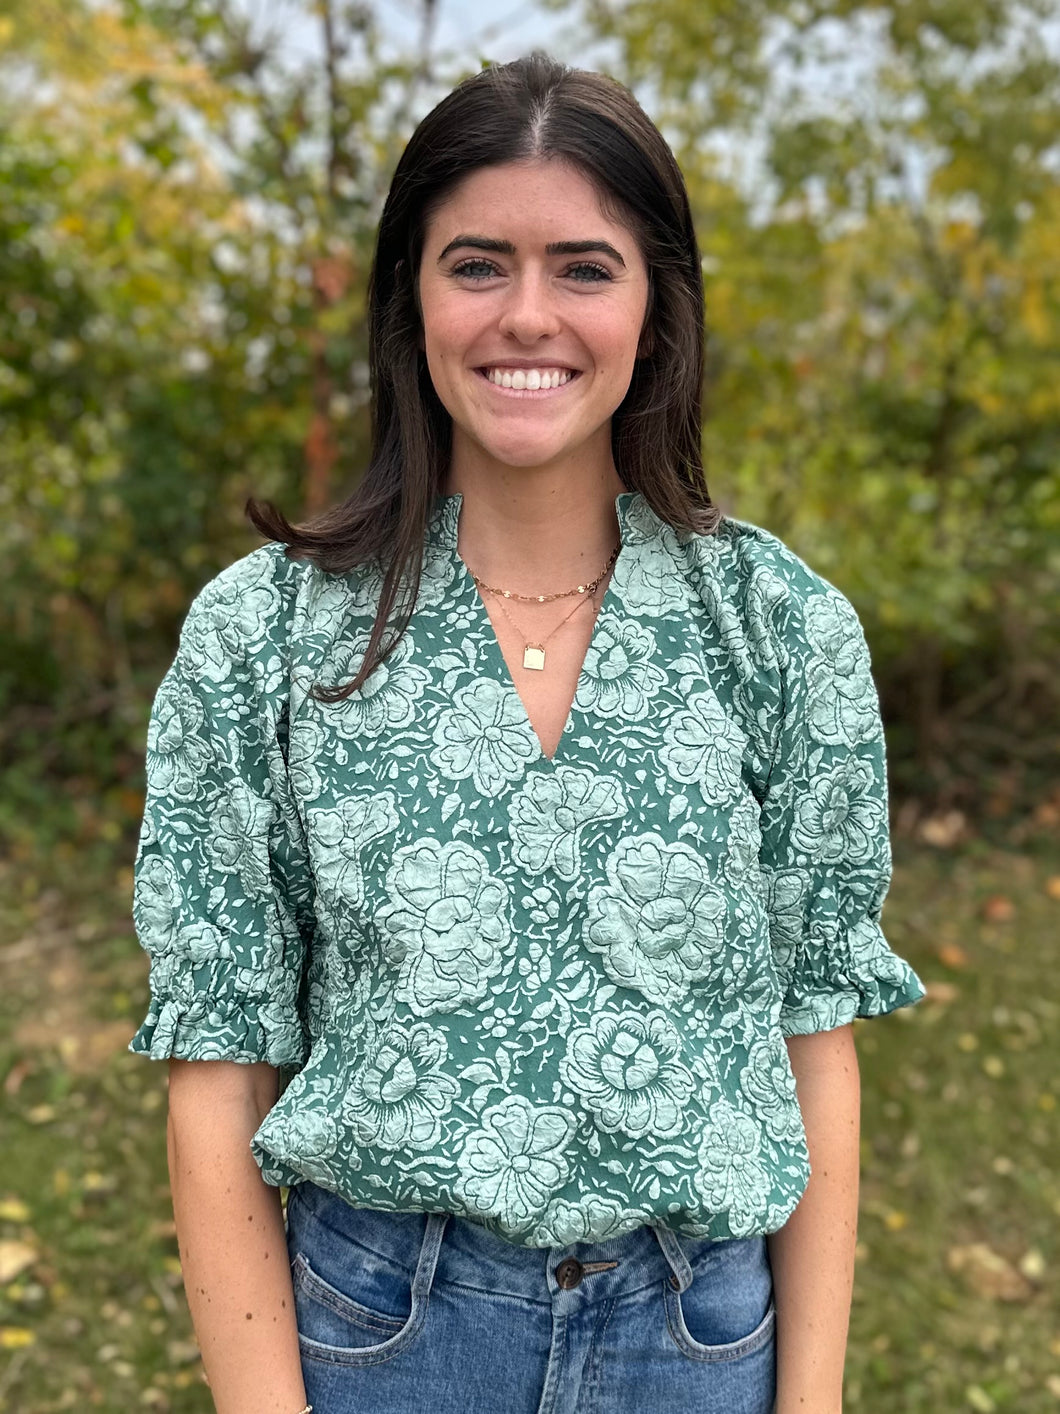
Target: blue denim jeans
(413, 1313)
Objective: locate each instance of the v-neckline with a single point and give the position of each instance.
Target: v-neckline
(451, 503)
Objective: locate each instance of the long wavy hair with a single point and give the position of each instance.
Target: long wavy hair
(533, 107)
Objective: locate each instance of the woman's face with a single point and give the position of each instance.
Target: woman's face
(533, 302)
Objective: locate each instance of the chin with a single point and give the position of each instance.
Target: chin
(522, 453)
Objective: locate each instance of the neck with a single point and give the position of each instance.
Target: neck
(536, 530)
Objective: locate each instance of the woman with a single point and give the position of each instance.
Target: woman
(534, 815)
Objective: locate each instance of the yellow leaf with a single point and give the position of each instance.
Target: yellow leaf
(978, 1398)
(1032, 1264)
(988, 1274)
(15, 1257)
(15, 1337)
(13, 1210)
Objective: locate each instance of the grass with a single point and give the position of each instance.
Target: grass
(955, 1300)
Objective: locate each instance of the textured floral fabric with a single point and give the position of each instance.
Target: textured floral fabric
(547, 995)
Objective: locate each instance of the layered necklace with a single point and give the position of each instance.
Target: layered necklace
(534, 652)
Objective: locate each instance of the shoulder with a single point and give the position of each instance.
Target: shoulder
(745, 554)
(773, 598)
(244, 614)
(265, 579)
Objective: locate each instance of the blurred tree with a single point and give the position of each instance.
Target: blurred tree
(877, 191)
(187, 216)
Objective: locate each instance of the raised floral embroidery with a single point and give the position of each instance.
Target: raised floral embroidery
(448, 925)
(627, 1070)
(731, 1175)
(401, 1093)
(233, 618)
(704, 745)
(660, 926)
(156, 902)
(841, 815)
(485, 735)
(767, 1081)
(238, 836)
(177, 754)
(618, 675)
(387, 701)
(340, 836)
(841, 696)
(510, 1167)
(595, 1219)
(548, 815)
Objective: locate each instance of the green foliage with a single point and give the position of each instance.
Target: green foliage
(884, 305)
(187, 216)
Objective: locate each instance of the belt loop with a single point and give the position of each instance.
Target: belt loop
(429, 1249)
(674, 1254)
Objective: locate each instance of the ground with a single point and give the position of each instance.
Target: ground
(955, 1297)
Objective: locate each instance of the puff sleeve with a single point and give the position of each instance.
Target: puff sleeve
(825, 855)
(222, 898)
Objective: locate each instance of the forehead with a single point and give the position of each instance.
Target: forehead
(545, 199)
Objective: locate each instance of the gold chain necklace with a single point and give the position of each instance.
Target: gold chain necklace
(533, 652)
(547, 598)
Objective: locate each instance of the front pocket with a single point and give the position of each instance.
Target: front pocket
(727, 1311)
(728, 1350)
(335, 1328)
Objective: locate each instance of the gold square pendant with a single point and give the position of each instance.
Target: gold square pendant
(533, 656)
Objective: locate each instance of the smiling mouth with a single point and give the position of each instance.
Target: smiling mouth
(529, 380)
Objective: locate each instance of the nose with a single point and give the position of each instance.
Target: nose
(529, 312)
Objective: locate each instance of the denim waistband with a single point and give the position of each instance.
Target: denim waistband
(440, 1247)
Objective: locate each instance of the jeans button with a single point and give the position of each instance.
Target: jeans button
(569, 1273)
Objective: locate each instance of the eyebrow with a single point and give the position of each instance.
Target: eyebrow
(499, 247)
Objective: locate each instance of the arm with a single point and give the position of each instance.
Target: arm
(230, 1231)
(812, 1255)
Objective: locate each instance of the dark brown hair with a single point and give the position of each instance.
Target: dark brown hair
(533, 107)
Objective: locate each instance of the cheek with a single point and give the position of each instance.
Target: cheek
(615, 334)
(449, 326)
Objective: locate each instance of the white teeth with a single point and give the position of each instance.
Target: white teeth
(530, 379)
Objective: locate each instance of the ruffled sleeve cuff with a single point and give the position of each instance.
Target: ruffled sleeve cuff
(200, 1015)
(861, 977)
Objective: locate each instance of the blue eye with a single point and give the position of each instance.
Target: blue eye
(588, 272)
(475, 269)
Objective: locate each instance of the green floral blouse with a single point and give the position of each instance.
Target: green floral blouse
(546, 995)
